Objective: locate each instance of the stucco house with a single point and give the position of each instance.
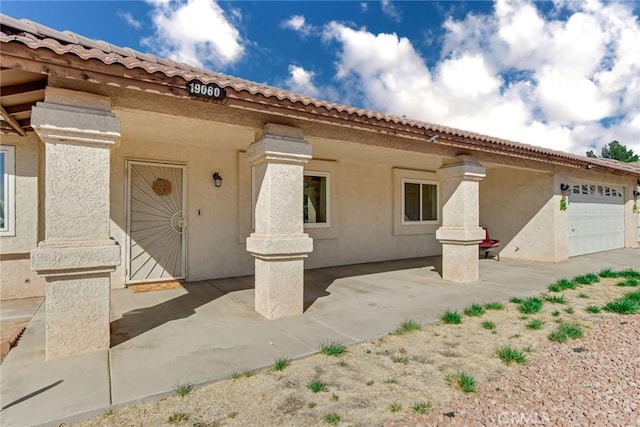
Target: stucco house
(122, 168)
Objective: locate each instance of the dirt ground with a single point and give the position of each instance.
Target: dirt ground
(380, 382)
(9, 333)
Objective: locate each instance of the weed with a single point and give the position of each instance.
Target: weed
(531, 305)
(561, 285)
(566, 332)
(629, 283)
(569, 310)
(368, 351)
(178, 417)
(402, 350)
(528, 349)
(462, 381)
(391, 381)
(343, 364)
(554, 299)
(586, 279)
(281, 364)
(583, 295)
(335, 397)
(594, 309)
(488, 325)
(408, 326)
(556, 313)
(395, 407)
(236, 375)
(311, 405)
(451, 318)
(633, 296)
(333, 348)
(474, 310)
(524, 317)
(400, 359)
(249, 374)
(494, 306)
(316, 386)
(515, 336)
(370, 382)
(516, 300)
(232, 415)
(331, 418)
(182, 389)
(421, 407)
(608, 273)
(108, 413)
(509, 354)
(535, 324)
(629, 274)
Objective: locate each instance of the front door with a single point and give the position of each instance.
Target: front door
(156, 238)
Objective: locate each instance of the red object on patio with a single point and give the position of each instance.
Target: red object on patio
(487, 244)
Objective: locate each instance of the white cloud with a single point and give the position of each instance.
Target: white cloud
(301, 80)
(130, 20)
(390, 10)
(195, 31)
(564, 80)
(299, 24)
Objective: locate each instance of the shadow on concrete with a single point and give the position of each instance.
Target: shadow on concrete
(141, 320)
(317, 282)
(30, 395)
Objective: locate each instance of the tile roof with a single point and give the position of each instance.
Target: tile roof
(37, 36)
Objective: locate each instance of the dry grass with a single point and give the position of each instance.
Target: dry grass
(372, 388)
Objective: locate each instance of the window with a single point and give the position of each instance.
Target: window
(316, 199)
(7, 189)
(419, 202)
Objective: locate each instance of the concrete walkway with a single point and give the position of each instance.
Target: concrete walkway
(208, 330)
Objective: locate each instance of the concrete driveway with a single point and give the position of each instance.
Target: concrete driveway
(209, 330)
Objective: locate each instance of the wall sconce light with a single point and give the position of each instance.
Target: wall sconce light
(564, 187)
(636, 191)
(217, 179)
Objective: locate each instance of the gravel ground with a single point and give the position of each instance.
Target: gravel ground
(594, 381)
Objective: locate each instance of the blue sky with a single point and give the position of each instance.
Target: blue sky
(564, 74)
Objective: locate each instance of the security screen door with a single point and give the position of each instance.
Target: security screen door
(156, 238)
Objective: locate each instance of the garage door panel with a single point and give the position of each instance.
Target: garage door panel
(596, 219)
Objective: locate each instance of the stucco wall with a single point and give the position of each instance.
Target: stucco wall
(517, 206)
(16, 279)
(362, 196)
(521, 208)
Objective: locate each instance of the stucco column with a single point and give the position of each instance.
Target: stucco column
(278, 243)
(77, 255)
(460, 232)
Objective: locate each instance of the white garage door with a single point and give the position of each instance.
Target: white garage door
(596, 218)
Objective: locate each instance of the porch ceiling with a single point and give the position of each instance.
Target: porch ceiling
(19, 91)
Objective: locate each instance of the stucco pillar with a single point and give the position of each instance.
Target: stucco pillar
(278, 243)
(77, 255)
(460, 232)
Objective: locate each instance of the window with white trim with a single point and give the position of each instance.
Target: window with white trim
(419, 202)
(7, 187)
(316, 203)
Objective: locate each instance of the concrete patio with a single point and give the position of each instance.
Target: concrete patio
(209, 329)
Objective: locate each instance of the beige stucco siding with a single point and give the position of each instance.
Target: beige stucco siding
(521, 208)
(362, 198)
(17, 281)
(518, 208)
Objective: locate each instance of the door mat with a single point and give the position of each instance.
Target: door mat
(157, 286)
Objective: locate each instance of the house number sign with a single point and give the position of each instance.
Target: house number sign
(210, 91)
